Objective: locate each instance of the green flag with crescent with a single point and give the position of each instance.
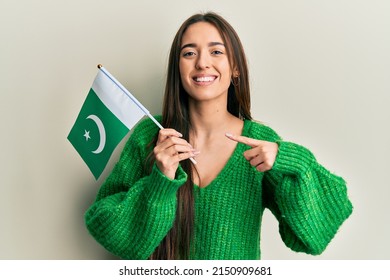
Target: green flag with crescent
(108, 113)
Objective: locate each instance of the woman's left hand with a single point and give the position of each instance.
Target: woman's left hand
(263, 153)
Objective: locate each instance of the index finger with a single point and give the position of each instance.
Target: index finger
(168, 132)
(242, 139)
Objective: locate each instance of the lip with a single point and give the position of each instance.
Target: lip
(204, 79)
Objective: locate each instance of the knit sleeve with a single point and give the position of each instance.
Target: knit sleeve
(133, 212)
(309, 202)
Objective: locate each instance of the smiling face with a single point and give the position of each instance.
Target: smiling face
(204, 65)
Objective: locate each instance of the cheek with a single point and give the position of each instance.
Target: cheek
(227, 72)
(183, 75)
(183, 69)
(227, 75)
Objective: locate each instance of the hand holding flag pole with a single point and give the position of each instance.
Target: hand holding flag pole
(129, 95)
(107, 115)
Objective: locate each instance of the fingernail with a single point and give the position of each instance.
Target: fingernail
(196, 152)
(228, 134)
(179, 134)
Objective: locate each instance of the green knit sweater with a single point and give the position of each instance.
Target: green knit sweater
(135, 209)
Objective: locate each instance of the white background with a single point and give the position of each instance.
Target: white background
(319, 74)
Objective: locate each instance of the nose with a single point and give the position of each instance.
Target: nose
(203, 61)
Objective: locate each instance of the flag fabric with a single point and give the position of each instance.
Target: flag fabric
(107, 115)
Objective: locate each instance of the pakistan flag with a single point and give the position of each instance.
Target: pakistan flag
(106, 116)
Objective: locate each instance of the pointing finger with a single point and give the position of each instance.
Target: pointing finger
(245, 140)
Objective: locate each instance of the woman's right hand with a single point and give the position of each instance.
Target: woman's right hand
(170, 150)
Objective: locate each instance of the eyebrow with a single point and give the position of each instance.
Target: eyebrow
(211, 44)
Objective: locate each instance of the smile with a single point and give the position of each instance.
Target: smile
(204, 79)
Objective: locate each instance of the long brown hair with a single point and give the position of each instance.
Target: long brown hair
(175, 114)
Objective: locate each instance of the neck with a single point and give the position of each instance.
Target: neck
(208, 118)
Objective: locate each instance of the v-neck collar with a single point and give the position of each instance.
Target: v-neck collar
(231, 163)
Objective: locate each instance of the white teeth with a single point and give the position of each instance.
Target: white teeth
(204, 79)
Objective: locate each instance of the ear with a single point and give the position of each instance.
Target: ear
(236, 73)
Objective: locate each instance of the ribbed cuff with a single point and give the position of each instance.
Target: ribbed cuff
(163, 188)
(292, 158)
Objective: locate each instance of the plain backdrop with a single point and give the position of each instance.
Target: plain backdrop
(319, 76)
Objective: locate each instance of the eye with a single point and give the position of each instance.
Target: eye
(217, 52)
(188, 53)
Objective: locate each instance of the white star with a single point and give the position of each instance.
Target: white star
(86, 135)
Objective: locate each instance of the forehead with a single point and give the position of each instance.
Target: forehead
(201, 32)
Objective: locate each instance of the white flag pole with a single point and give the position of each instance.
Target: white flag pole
(129, 95)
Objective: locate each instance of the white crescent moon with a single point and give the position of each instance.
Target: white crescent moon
(102, 133)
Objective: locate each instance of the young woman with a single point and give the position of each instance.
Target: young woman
(157, 204)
